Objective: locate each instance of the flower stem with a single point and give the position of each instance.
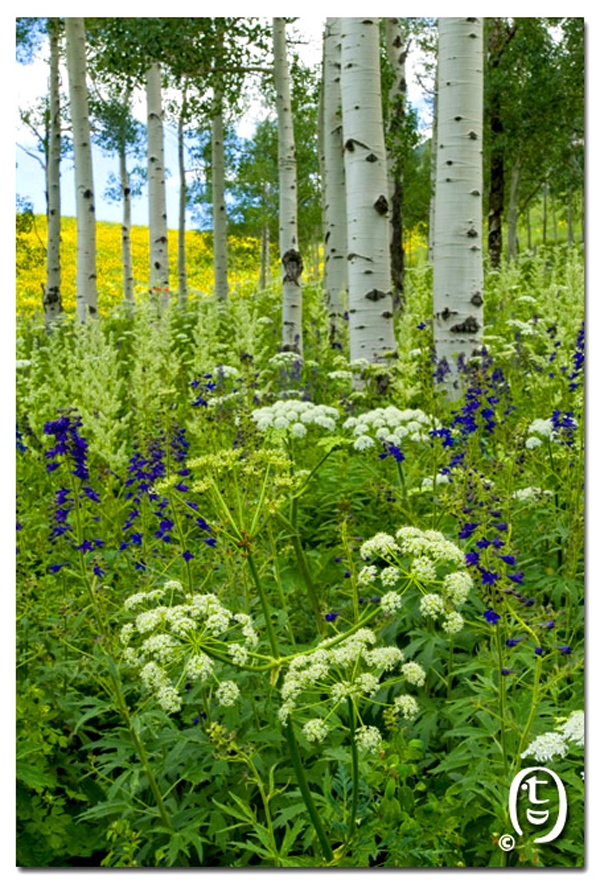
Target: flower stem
(305, 791)
(354, 750)
(265, 605)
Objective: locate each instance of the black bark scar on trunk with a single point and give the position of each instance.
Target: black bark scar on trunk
(468, 327)
(292, 265)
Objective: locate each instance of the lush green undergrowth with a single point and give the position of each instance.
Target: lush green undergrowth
(264, 619)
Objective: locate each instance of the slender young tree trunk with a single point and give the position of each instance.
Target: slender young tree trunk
(528, 222)
(496, 194)
(334, 181)
(291, 258)
(263, 258)
(513, 210)
(218, 193)
(458, 265)
(369, 275)
(128, 287)
(157, 220)
(570, 217)
(52, 295)
(268, 252)
(87, 296)
(433, 162)
(397, 51)
(321, 151)
(181, 268)
(545, 214)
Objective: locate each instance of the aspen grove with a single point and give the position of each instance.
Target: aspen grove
(300, 443)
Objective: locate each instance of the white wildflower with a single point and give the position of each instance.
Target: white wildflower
(367, 575)
(153, 676)
(168, 698)
(161, 646)
(149, 620)
(541, 427)
(453, 623)
(298, 430)
(423, 569)
(363, 442)
(412, 540)
(315, 730)
(546, 746)
(126, 634)
(391, 602)
(368, 738)
(285, 710)
(573, 728)
(134, 600)
(238, 653)
(384, 658)
(407, 706)
(432, 605)
(533, 442)
(457, 587)
(380, 545)
(390, 576)
(199, 667)
(227, 693)
(414, 674)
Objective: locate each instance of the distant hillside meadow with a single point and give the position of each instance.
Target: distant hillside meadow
(244, 263)
(31, 263)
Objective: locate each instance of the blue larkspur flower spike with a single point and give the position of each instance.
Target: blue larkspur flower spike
(491, 616)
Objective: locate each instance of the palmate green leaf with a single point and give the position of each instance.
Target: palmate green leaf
(36, 778)
(284, 816)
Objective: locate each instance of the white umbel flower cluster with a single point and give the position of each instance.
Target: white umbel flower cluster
(335, 670)
(163, 643)
(315, 730)
(541, 429)
(556, 743)
(406, 706)
(391, 425)
(369, 739)
(295, 415)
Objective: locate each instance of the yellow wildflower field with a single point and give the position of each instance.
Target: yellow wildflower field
(244, 264)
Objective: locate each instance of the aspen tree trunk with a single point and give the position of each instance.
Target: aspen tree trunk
(87, 296)
(52, 295)
(291, 259)
(218, 194)
(458, 264)
(263, 259)
(433, 166)
(320, 232)
(513, 210)
(570, 217)
(334, 181)
(369, 274)
(545, 214)
(157, 216)
(128, 287)
(268, 252)
(397, 52)
(182, 295)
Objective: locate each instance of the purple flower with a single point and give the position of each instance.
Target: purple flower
(491, 616)
(86, 546)
(98, 572)
(471, 558)
(510, 560)
(467, 529)
(508, 671)
(539, 652)
(517, 577)
(566, 649)
(374, 600)
(488, 578)
(550, 624)
(332, 616)
(187, 555)
(512, 642)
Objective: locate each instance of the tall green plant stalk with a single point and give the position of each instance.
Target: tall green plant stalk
(306, 794)
(355, 771)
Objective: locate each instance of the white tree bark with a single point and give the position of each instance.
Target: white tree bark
(369, 275)
(157, 214)
(433, 161)
(458, 265)
(334, 180)
(128, 286)
(513, 210)
(87, 296)
(52, 294)
(182, 294)
(218, 194)
(289, 252)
